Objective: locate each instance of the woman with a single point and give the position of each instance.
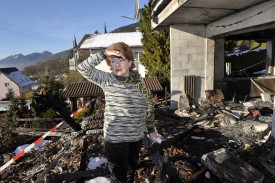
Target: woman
(129, 109)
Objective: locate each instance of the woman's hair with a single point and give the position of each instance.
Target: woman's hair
(125, 50)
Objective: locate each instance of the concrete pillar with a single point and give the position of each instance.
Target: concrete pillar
(209, 64)
(273, 119)
(270, 52)
(191, 54)
(219, 63)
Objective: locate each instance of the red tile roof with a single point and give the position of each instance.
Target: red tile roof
(90, 89)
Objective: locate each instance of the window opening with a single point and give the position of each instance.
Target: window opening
(245, 55)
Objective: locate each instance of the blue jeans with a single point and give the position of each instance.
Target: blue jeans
(122, 160)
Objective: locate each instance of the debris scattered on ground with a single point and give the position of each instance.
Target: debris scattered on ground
(239, 129)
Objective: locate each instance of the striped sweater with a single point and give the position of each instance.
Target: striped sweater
(129, 105)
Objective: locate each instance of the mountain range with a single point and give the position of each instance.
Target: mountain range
(20, 61)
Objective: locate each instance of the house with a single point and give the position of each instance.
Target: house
(80, 93)
(12, 78)
(198, 32)
(97, 42)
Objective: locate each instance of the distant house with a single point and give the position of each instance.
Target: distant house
(96, 42)
(12, 78)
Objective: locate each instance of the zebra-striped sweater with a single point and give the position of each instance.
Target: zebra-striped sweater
(129, 105)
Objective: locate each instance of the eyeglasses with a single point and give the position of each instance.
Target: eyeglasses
(117, 60)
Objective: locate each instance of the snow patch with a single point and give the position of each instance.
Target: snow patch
(21, 148)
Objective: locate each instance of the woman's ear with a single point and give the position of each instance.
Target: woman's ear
(131, 63)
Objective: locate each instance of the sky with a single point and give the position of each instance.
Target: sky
(28, 26)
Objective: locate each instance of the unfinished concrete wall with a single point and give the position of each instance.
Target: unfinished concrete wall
(191, 54)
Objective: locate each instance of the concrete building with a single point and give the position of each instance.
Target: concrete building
(198, 30)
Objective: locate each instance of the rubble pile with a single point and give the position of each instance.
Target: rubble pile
(241, 130)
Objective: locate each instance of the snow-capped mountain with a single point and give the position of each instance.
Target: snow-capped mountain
(20, 61)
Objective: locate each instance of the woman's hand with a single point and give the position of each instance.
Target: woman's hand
(113, 53)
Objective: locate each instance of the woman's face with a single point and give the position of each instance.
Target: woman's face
(120, 66)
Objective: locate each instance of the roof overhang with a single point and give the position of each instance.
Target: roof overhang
(210, 12)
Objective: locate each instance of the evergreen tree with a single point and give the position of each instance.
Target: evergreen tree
(49, 95)
(156, 47)
(17, 109)
(230, 45)
(10, 95)
(9, 138)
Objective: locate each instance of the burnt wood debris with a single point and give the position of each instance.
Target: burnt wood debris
(217, 141)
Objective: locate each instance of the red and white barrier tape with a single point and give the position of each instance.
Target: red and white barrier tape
(41, 138)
